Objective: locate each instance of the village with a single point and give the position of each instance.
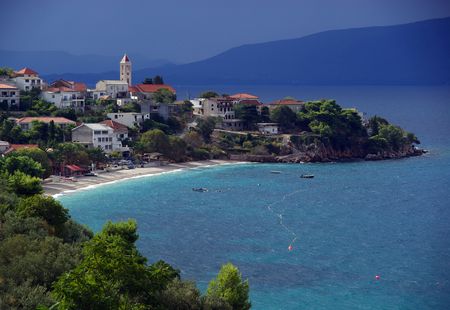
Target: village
(136, 105)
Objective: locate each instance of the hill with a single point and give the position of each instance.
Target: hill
(415, 53)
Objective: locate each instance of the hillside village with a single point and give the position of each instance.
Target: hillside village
(83, 128)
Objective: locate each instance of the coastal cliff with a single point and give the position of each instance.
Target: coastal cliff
(321, 153)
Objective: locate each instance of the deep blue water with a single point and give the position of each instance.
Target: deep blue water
(353, 220)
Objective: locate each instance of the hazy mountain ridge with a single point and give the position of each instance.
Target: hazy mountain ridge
(415, 53)
(59, 62)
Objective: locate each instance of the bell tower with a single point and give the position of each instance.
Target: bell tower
(125, 69)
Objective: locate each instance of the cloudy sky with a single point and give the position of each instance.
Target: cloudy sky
(187, 30)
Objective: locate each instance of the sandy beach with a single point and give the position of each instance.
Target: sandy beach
(56, 186)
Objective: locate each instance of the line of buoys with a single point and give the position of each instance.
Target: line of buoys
(280, 216)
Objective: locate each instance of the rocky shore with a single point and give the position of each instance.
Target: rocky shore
(320, 153)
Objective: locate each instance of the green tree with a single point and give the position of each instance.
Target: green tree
(164, 95)
(112, 274)
(177, 148)
(24, 164)
(248, 113)
(43, 207)
(148, 81)
(158, 80)
(23, 184)
(284, 116)
(155, 141)
(209, 94)
(180, 295)
(37, 155)
(206, 127)
(228, 286)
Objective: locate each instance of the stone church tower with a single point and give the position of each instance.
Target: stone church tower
(125, 69)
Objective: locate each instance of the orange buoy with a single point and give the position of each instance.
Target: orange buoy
(377, 277)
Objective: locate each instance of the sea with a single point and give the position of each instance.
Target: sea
(359, 235)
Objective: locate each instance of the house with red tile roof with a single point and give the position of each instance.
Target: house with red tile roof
(146, 91)
(242, 96)
(294, 104)
(26, 79)
(9, 96)
(120, 135)
(26, 122)
(66, 94)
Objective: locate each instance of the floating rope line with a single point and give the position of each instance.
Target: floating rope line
(280, 217)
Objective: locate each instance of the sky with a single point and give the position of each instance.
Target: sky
(187, 30)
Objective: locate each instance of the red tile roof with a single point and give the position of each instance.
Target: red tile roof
(44, 119)
(63, 85)
(125, 58)
(78, 86)
(74, 168)
(132, 89)
(243, 96)
(288, 102)
(60, 89)
(250, 101)
(6, 86)
(151, 88)
(16, 147)
(115, 125)
(27, 71)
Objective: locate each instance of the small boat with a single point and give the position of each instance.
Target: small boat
(307, 176)
(275, 172)
(200, 189)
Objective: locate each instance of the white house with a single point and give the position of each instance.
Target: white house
(4, 146)
(26, 123)
(218, 107)
(268, 128)
(129, 119)
(113, 88)
(66, 97)
(9, 95)
(27, 79)
(93, 136)
(120, 135)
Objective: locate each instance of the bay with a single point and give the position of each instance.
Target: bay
(353, 221)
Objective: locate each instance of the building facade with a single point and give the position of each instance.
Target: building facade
(26, 123)
(120, 136)
(94, 136)
(66, 94)
(27, 79)
(9, 95)
(129, 119)
(113, 88)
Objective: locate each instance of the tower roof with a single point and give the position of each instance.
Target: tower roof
(125, 58)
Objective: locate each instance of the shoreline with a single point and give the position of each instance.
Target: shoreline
(63, 187)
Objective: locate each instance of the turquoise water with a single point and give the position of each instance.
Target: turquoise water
(353, 221)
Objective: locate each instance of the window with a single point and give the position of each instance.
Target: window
(26, 81)
(4, 93)
(13, 93)
(115, 116)
(99, 139)
(13, 101)
(110, 139)
(97, 132)
(104, 132)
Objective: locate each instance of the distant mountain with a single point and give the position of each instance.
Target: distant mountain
(57, 62)
(416, 53)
